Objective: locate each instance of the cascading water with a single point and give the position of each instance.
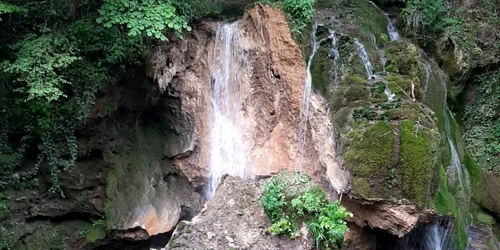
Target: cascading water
(456, 168)
(437, 237)
(391, 29)
(304, 111)
(428, 72)
(226, 141)
(365, 58)
(334, 53)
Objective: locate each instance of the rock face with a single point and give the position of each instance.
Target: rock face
(233, 219)
(271, 94)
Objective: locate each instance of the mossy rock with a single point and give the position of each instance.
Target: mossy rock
(95, 234)
(402, 58)
(420, 159)
(320, 70)
(445, 203)
(355, 80)
(400, 85)
(46, 237)
(356, 93)
(369, 157)
(393, 160)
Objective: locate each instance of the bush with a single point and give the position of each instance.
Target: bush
(298, 12)
(290, 199)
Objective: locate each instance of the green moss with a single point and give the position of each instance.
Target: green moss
(355, 80)
(370, 17)
(320, 70)
(95, 234)
(477, 181)
(336, 99)
(420, 160)
(484, 218)
(382, 40)
(369, 157)
(402, 58)
(446, 205)
(397, 84)
(356, 93)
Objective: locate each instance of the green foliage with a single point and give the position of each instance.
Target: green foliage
(9, 8)
(299, 13)
(355, 80)
(366, 112)
(54, 63)
(291, 198)
(150, 17)
(482, 125)
(272, 200)
(424, 16)
(38, 63)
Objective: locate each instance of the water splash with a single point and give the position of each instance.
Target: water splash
(226, 141)
(365, 58)
(389, 94)
(391, 29)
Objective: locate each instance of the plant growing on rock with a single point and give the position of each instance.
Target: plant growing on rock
(291, 199)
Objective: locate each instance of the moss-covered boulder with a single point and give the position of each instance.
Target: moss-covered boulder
(393, 160)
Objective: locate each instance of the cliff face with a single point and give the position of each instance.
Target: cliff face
(271, 96)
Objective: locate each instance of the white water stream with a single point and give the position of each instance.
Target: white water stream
(437, 237)
(391, 29)
(227, 155)
(365, 58)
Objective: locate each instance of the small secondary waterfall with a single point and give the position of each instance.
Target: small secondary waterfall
(437, 237)
(456, 168)
(334, 53)
(304, 111)
(391, 29)
(428, 72)
(365, 58)
(226, 141)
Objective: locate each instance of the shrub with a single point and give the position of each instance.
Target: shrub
(290, 199)
(298, 12)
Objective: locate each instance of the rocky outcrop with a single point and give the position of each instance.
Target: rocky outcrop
(271, 94)
(396, 218)
(233, 219)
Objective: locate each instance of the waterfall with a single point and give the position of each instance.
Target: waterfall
(226, 141)
(365, 58)
(304, 111)
(428, 72)
(437, 237)
(389, 94)
(391, 30)
(334, 53)
(455, 166)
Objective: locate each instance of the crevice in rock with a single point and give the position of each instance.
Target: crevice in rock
(62, 218)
